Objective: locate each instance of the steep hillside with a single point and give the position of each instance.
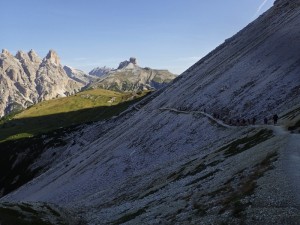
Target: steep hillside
(25, 80)
(180, 156)
(130, 77)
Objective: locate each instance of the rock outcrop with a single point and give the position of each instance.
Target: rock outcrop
(131, 77)
(100, 71)
(132, 63)
(25, 79)
(79, 75)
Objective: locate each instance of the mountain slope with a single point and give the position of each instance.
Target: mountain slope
(158, 164)
(25, 80)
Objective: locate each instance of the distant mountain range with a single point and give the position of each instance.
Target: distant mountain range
(130, 77)
(26, 79)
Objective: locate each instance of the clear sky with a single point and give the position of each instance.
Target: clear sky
(161, 34)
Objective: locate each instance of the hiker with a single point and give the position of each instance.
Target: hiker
(243, 122)
(275, 119)
(266, 120)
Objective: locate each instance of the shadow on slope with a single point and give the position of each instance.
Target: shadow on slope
(32, 126)
(36, 213)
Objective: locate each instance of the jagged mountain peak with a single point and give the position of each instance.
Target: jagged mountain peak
(6, 52)
(52, 57)
(34, 56)
(22, 56)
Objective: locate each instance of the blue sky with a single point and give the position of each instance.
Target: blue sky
(161, 34)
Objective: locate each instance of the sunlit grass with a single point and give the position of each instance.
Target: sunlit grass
(84, 107)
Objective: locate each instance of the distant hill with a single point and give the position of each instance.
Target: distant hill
(131, 77)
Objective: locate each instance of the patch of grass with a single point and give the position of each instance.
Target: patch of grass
(37, 214)
(295, 126)
(83, 107)
(200, 208)
(203, 177)
(247, 186)
(129, 216)
(11, 216)
(246, 143)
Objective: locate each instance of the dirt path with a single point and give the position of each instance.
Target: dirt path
(291, 162)
(220, 122)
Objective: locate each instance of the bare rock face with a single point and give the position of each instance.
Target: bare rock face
(280, 3)
(25, 79)
(79, 75)
(100, 71)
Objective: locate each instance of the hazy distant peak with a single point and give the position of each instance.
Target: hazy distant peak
(100, 71)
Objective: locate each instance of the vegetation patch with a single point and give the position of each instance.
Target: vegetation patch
(83, 107)
(246, 143)
(130, 216)
(246, 187)
(26, 214)
(203, 177)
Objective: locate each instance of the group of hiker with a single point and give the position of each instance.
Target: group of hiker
(244, 121)
(239, 121)
(275, 119)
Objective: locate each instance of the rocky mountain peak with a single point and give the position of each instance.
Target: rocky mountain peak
(133, 60)
(52, 57)
(6, 52)
(128, 64)
(22, 56)
(34, 56)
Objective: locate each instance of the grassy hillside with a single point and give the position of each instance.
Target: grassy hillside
(87, 106)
